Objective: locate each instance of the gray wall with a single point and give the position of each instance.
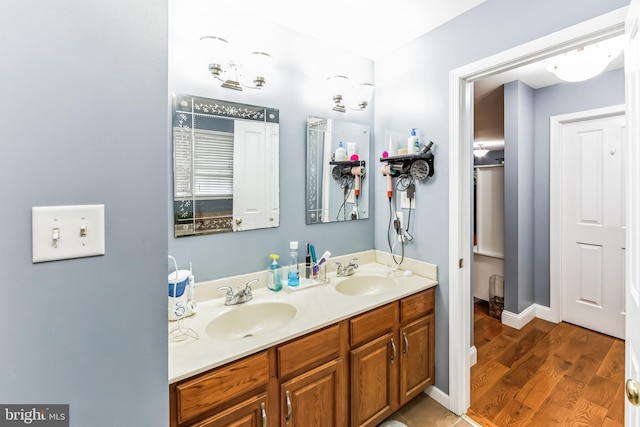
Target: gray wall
(602, 91)
(84, 122)
(519, 121)
(301, 66)
(92, 332)
(412, 90)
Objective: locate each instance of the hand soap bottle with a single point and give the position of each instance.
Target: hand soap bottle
(275, 274)
(413, 142)
(341, 153)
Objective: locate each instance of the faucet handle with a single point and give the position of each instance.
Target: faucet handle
(351, 262)
(247, 287)
(229, 290)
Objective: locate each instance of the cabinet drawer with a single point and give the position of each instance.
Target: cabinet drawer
(417, 305)
(197, 396)
(373, 323)
(309, 351)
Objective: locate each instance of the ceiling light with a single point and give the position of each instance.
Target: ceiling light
(583, 63)
(235, 71)
(345, 96)
(479, 150)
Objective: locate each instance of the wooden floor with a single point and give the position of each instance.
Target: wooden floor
(545, 374)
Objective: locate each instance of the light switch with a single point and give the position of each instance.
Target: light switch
(64, 232)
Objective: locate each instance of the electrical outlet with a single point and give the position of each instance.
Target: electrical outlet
(406, 202)
(351, 197)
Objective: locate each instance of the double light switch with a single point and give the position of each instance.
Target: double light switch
(63, 232)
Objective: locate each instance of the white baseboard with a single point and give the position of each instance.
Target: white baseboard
(545, 313)
(438, 395)
(473, 355)
(517, 321)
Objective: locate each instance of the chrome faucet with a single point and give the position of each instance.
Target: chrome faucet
(347, 270)
(239, 296)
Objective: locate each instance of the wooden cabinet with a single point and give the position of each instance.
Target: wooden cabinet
(197, 397)
(315, 398)
(251, 412)
(417, 339)
(417, 365)
(393, 357)
(312, 377)
(353, 373)
(373, 381)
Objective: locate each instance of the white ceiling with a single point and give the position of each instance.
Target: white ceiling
(371, 28)
(374, 28)
(534, 75)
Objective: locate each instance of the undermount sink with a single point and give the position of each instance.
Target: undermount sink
(244, 321)
(365, 285)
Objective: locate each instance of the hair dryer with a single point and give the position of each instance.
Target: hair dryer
(388, 171)
(357, 172)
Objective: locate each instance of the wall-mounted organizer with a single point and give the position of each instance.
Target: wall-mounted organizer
(419, 166)
(349, 173)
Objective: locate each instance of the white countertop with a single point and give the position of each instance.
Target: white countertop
(317, 307)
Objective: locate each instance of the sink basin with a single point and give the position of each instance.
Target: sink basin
(244, 321)
(365, 285)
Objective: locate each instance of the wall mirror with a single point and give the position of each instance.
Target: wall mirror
(225, 166)
(336, 188)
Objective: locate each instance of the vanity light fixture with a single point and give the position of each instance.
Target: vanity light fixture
(252, 72)
(585, 62)
(479, 150)
(345, 96)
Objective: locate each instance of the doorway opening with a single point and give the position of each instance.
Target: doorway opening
(460, 167)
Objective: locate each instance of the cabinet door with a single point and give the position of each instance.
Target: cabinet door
(373, 374)
(417, 365)
(248, 413)
(316, 398)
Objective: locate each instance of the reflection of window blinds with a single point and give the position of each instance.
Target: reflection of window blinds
(212, 165)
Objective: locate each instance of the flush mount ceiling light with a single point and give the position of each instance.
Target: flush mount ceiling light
(479, 150)
(585, 62)
(346, 96)
(251, 70)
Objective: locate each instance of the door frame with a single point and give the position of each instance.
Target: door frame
(555, 192)
(460, 163)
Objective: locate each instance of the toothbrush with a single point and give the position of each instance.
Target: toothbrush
(323, 259)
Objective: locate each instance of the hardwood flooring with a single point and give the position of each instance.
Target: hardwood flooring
(545, 374)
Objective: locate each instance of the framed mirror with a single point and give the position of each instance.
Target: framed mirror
(225, 166)
(336, 187)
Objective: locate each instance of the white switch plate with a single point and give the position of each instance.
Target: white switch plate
(66, 222)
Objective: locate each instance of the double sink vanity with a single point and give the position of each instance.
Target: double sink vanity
(346, 353)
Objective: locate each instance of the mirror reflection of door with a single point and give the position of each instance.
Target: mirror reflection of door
(333, 191)
(225, 164)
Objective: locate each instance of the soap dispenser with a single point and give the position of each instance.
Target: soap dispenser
(274, 281)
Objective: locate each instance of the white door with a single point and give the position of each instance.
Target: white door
(593, 224)
(256, 189)
(632, 343)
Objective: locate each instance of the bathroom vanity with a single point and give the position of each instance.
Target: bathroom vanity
(342, 360)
